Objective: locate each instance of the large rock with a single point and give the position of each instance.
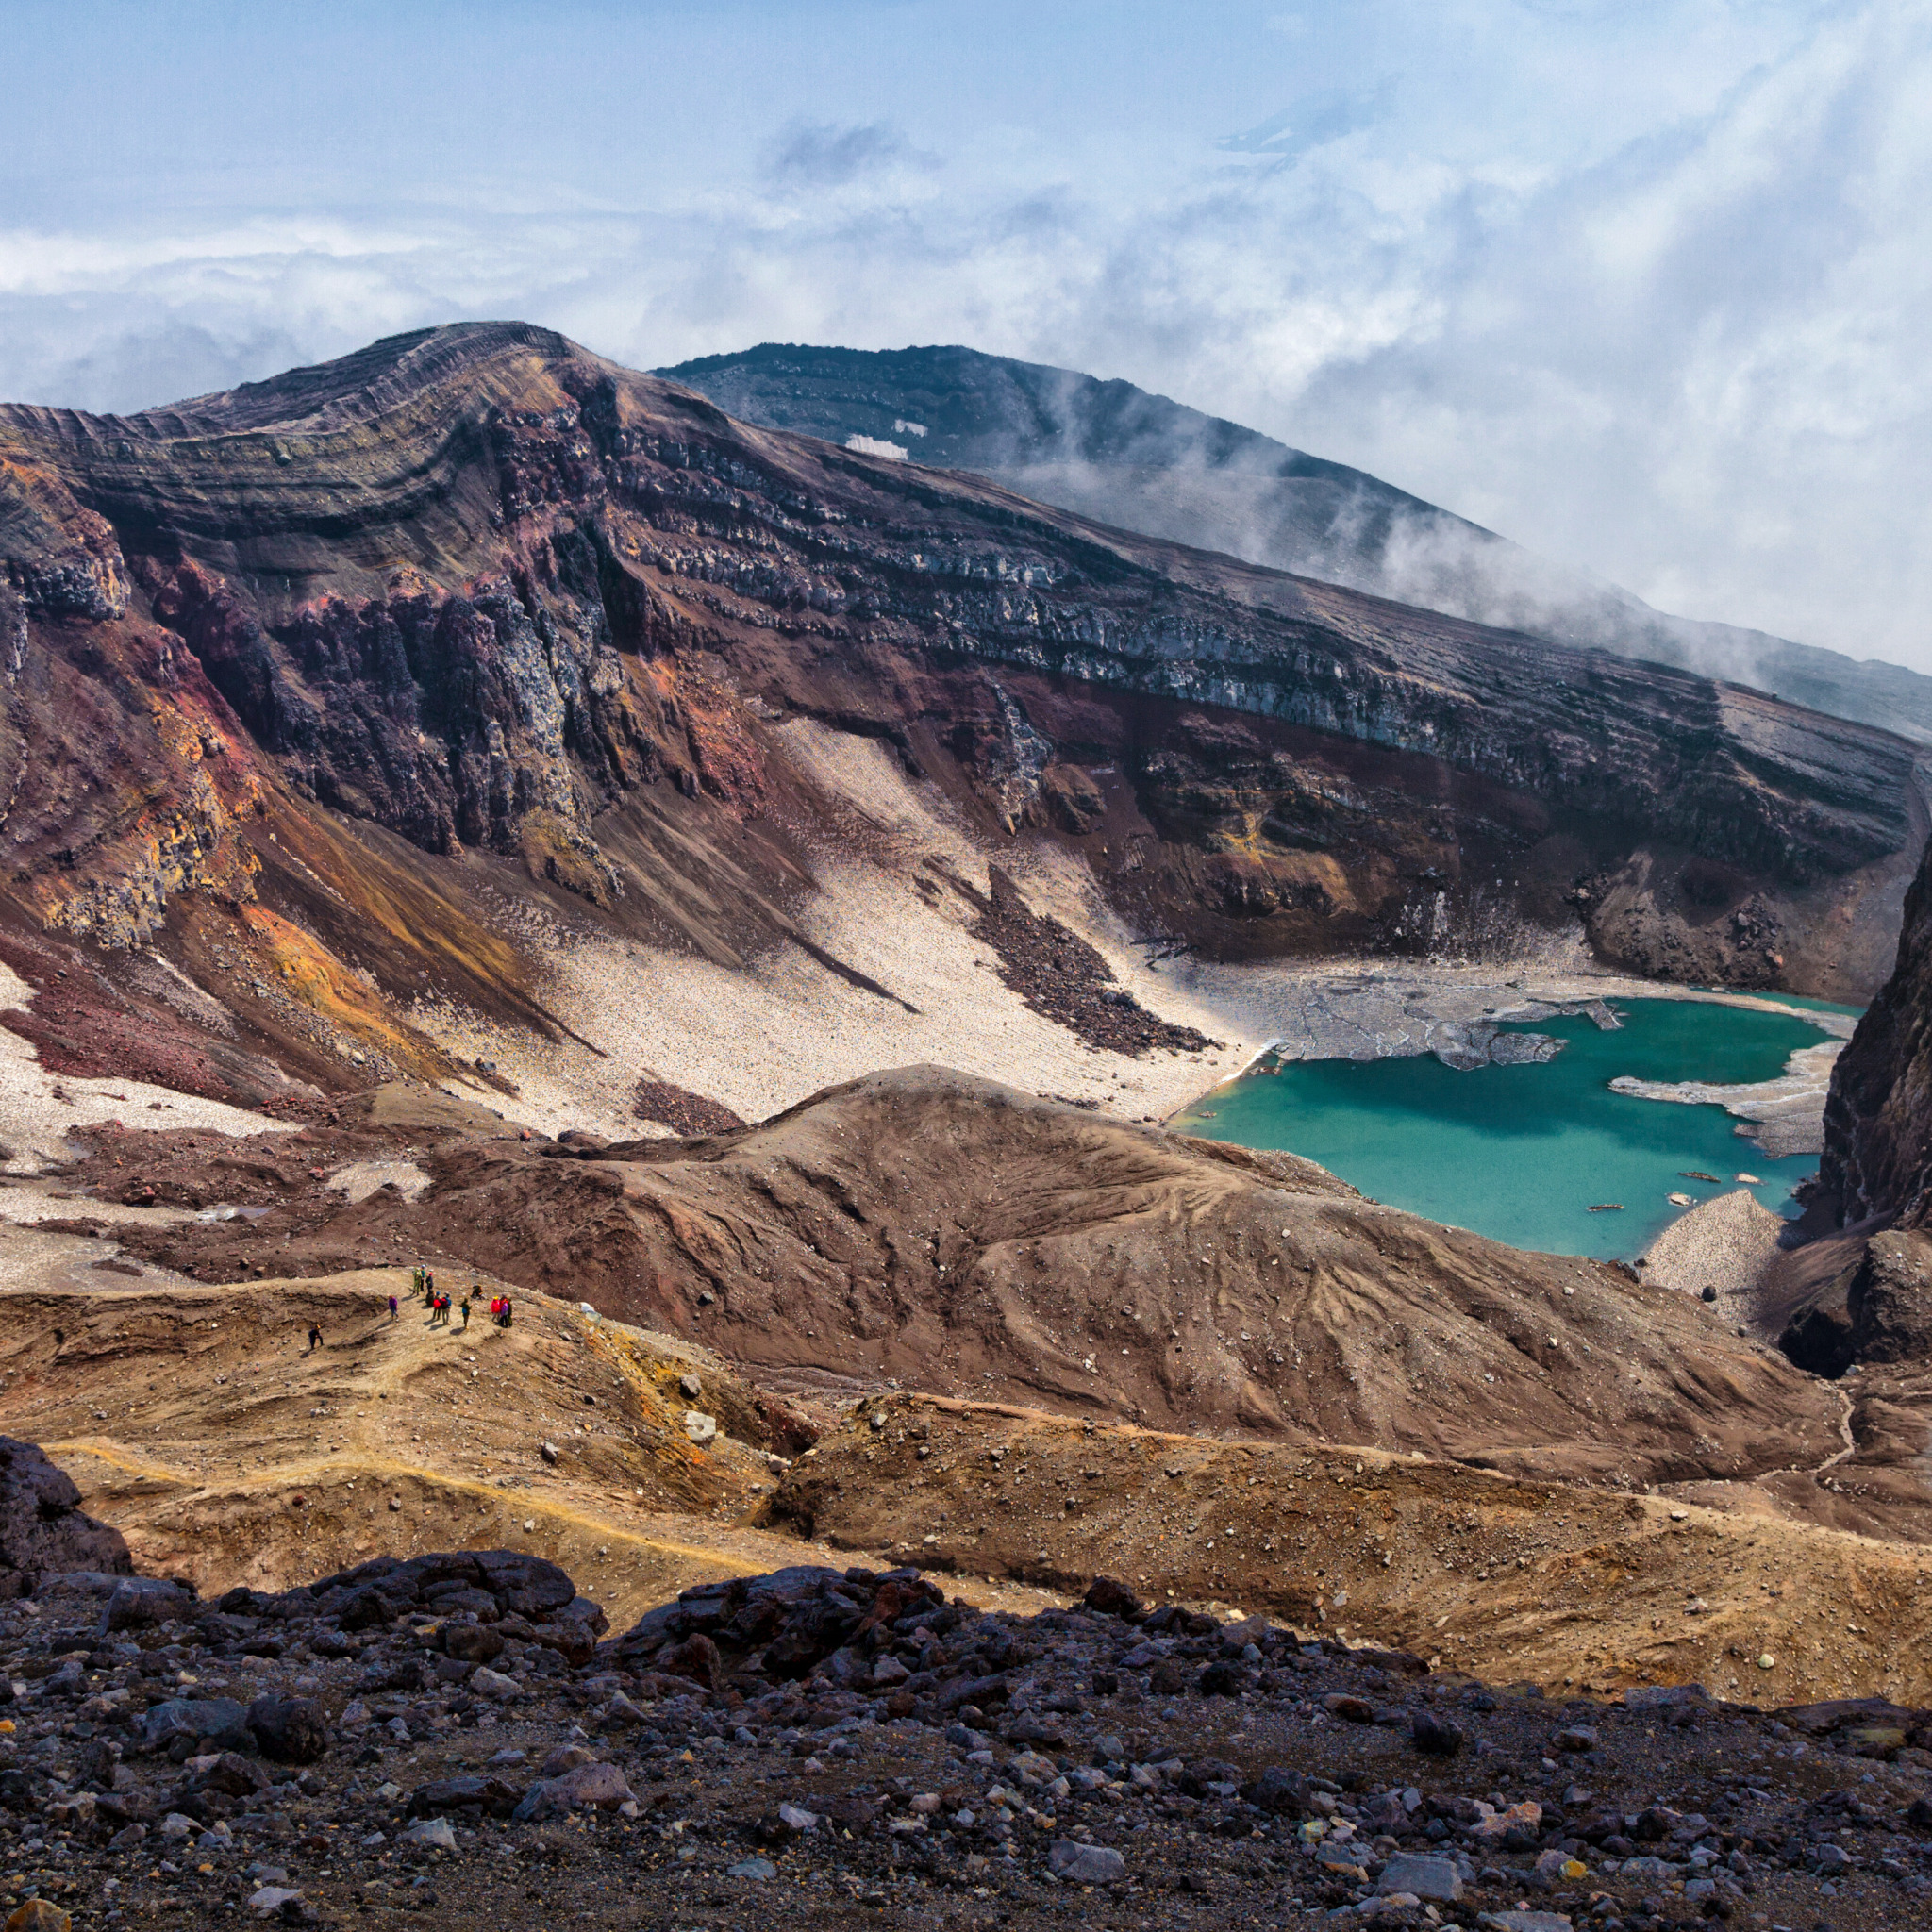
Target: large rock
(208, 1724)
(1112, 1598)
(38, 1915)
(235, 1775)
(42, 1528)
(783, 1625)
(473, 1643)
(1428, 1878)
(139, 1602)
(599, 1786)
(1278, 1790)
(484, 1791)
(291, 1730)
(476, 1589)
(1080, 1864)
(1890, 1300)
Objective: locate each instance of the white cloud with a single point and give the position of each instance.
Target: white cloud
(1640, 285)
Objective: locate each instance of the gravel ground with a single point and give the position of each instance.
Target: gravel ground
(766, 1037)
(447, 1741)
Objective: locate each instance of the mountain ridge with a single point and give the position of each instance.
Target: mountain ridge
(1125, 456)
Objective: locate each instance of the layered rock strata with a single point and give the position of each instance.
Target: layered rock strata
(1877, 1158)
(301, 674)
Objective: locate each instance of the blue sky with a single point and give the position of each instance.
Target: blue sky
(1642, 285)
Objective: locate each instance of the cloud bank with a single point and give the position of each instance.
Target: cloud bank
(1641, 286)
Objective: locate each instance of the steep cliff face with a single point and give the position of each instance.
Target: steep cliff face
(304, 672)
(1877, 1156)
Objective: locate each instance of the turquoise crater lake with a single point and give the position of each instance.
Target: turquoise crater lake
(1520, 1152)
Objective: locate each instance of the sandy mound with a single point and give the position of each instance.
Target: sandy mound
(1727, 1242)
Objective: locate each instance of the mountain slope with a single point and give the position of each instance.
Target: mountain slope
(1123, 456)
(331, 690)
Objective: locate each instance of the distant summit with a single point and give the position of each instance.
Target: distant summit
(1121, 456)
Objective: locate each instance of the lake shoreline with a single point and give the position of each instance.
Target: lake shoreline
(1537, 1120)
(1440, 1000)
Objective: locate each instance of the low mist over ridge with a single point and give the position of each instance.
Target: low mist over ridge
(1121, 456)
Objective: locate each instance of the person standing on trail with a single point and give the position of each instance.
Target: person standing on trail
(466, 1314)
(315, 1338)
(393, 1310)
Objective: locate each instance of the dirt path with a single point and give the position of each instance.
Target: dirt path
(197, 1421)
(1569, 1588)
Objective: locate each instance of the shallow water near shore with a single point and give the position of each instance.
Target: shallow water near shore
(1520, 1152)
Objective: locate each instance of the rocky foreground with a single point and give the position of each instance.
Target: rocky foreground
(455, 1736)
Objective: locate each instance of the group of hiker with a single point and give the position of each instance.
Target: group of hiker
(423, 1289)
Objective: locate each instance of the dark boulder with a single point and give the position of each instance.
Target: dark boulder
(485, 1792)
(42, 1528)
(583, 1610)
(1196, 1780)
(697, 1658)
(235, 1775)
(291, 1730)
(527, 1585)
(1110, 1597)
(473, 1643)
(366, 1610)
(1224, 1679)
(454, 1599)
(1281, 1791)
(244, 1601)
(139, 1602)
(202, 1724)
(573, 1639)
(19, 1790)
